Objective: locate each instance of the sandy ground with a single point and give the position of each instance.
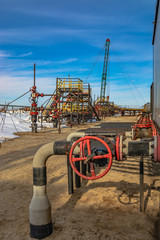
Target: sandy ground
(104, 209)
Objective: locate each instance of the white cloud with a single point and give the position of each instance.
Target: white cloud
(24, 67)
(65, 61)
(4, 54)
(124, 94)
(13, 87)
(25, 54)
(9, 55)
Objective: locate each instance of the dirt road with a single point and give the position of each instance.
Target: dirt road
(104, 209)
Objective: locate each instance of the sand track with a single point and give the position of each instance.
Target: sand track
(104, 209)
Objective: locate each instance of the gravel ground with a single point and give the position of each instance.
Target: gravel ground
(104, 209)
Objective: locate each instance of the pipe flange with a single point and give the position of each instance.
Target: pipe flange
(120, 155)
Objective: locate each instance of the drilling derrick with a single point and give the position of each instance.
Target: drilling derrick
(102, 105)
(104, 74)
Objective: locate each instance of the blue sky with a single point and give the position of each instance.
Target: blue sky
(66, 37)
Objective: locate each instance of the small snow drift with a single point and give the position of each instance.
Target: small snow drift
(13, 122)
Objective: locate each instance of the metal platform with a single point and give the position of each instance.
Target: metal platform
(109, 128)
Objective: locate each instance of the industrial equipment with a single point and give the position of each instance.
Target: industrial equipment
(104, 74)
(102, 104)
(71, 102)
(90, 152)
(89, 156)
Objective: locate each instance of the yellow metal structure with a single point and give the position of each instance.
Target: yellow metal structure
(71, 96)
(74, 94)
(69, 85)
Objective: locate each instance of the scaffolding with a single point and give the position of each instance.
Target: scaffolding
(71, 102)
(104, 107)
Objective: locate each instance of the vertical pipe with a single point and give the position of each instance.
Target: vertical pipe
(40, 217)
(71, 117)
(77, 178)
(56, 86)
(141, 171)
(34, 112)
(78, 110)
(88, 97)
(59, 121)
(88, 168)
(83, 168)
(62, 111)
(82, 110)
(34, 75)
(70, 177)
(41, 120)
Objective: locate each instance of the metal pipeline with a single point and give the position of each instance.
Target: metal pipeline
(75, 135)
(94, 133)
(40, 208)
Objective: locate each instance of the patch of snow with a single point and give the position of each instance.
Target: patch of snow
(11, 123)
(64, 126)
(91, 120)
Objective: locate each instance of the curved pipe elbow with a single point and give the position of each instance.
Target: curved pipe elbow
(42, 155)
(75, 134)
(40, 208)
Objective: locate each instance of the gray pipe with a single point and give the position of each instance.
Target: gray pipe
(40, 208)
(75, 134)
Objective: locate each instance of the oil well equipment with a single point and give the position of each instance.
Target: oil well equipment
(102, 104)
(89, 153)
(72, 102)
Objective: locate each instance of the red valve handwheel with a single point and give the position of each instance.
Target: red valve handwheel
(82, 142)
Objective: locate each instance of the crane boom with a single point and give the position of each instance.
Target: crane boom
(104, 74)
